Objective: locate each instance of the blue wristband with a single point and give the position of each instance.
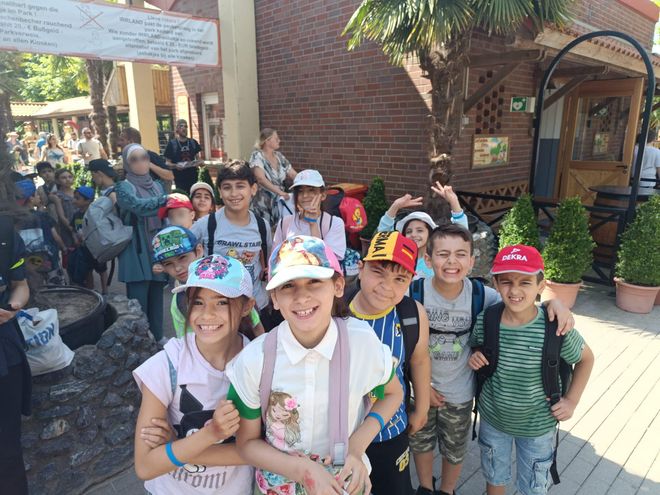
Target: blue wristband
(310, 220)
(171, 456)
(457, 215)
(378, 418)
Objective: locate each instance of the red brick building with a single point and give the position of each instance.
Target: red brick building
(352, 115)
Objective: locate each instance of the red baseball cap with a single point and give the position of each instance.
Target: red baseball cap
(518, 259)
(175, 200)
(393, 246)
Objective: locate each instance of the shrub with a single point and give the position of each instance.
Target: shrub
(639, 251)
(568, 251)
(375, 205)
(519, 225)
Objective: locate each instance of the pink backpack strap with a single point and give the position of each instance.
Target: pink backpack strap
(339, 394)
(267, 370)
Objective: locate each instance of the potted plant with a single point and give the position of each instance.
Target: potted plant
(519, 225)
(375, 205)
(638, 266)
(568, 252)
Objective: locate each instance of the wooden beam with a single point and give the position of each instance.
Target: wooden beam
(563, 91)
(488, 86)
(517, 56)
(596, 70)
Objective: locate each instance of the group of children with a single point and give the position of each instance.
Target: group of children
(347, 380)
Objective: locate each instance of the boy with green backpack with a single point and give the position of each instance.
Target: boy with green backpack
(524, 383)
(452, 302)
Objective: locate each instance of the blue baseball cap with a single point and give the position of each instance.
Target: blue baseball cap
(26, 188)
(226, 276)
(172, 241)
(86, 192)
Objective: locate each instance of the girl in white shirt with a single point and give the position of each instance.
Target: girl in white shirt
(296, 455)
(309, 219)
(185, 385)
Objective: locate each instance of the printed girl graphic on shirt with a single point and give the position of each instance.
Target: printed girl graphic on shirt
(282, 421)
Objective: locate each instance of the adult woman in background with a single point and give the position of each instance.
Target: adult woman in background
(52, 152)
(139, 197)
(271, 169)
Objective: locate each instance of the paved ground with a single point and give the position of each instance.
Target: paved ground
(612, 445)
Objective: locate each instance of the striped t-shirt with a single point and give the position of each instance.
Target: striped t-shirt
(512, 400)
(388, 329)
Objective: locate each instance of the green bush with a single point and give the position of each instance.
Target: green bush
(568, 251)
(519, 225)
(81, 176)
(639, 252)
(375, 205)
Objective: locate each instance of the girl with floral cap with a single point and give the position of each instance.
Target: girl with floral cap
(186, 385)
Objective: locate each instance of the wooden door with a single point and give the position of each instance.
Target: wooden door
(599, 129)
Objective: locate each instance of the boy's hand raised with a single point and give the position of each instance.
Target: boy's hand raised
(565, 320)
(477, 360)
(563, 410)
(225, 420)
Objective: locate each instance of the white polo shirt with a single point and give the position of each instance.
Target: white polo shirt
(297, 417)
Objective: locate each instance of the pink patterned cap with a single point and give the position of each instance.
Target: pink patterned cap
(226, 276)
(301, 256)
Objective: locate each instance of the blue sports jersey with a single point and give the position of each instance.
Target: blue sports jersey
(388, 329)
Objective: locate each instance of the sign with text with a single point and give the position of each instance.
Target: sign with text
(108, 31)
(490, 151)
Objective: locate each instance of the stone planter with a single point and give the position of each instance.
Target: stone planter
(81, 429)
(566, 293)
(635, 298)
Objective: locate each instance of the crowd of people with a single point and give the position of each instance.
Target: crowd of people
(285, 376)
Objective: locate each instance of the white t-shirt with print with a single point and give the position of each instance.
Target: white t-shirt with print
(242, 242)
(298, 420)
(333, 232)
(204, 387)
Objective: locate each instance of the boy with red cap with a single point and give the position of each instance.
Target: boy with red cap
(512, 402)
(178, 210)
(385, 276)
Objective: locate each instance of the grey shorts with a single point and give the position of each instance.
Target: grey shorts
(450, 425)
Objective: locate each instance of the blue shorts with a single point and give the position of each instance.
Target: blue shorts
(533, 459)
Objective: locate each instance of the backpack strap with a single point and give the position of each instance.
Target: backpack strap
(338, 387)
(491, 350)
(172, 373)
(212, 225)
(550, 373)
(261, 225)
(416, 290)
(409, 319)
(478, 298)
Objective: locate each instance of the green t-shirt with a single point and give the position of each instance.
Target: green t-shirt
(512, 400)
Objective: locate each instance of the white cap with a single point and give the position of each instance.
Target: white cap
(224, 275)
(415, 215)
(201, 185)
(308, 177)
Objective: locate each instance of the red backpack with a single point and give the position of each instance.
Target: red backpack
(350, 210)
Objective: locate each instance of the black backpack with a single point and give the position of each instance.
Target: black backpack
(6, 250)
(555, 372)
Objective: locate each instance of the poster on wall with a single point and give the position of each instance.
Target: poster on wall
(108, 31)
(490, 151)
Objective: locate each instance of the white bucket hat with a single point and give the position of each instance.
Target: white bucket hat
(309, 177)
(415, 215)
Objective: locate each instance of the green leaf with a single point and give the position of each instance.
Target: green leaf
(519, 225)
(639, 251)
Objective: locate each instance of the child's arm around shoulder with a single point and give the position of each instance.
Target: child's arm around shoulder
(420, 371)
(477, 359)
(574, 350)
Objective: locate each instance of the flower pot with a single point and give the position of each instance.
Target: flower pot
(635, 298)
(566, 293)
(657, 299)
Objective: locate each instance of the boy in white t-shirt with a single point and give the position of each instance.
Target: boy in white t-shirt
(285, 380)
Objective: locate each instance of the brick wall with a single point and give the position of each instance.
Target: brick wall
(194, 81)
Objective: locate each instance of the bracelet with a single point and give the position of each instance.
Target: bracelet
(171, 456)
(457, 215)
(378, 418)
(310, 220)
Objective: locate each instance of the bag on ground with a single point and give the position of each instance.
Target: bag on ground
(46, 351)
(104, 234)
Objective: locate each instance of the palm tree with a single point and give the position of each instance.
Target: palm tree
(9, 69)
(99, 117)
(437, 33)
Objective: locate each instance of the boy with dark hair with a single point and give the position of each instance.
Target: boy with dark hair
(401, 323)
(82, 265)
(236, 232)
(513, 404)
(104, 177)
(452, 302)
(47, 173)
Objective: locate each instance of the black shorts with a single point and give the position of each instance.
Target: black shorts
(390, 466)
